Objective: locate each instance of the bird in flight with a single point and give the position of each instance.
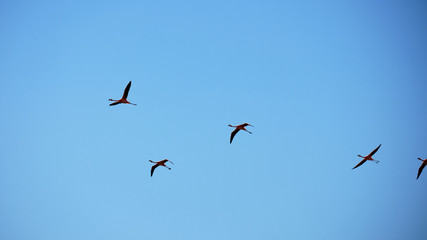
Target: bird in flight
(368, 157)
(420, 170)
(159, 163)
(238, 128)
(123, 99)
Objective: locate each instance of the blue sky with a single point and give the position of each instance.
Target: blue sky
(320, 81)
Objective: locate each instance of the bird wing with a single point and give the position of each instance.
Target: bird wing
(125, 94)
(114, 103)
(420, 170)
(375, 150)
(233, 134)
(152, 169)
(361, 162)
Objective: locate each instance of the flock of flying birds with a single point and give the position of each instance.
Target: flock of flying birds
(242, 127)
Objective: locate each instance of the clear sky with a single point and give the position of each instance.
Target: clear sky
(321, 81)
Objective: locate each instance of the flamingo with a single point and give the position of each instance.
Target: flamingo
(238, 128)
(422, 166)
(160, 163)
(123, 99)
(368, 157)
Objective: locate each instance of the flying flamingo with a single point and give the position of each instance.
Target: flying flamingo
(368, 157)
(422, 166)
(123, 99)
(159, 163)
(238, 128)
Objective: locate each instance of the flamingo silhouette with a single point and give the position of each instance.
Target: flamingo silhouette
(238, 128)
(160, 163)
(420, 170)
(368, 157)
(123, 99)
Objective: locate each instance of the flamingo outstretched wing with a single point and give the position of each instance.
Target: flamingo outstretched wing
(361, 162)
(375, 150)
(125, 94)
(152, 169)
(114, 103)
(420, 170)
(233, 134)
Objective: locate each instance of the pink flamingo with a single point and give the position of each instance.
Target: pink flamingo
(238, 128)
(160, 163)
(123, 99)
(368, 157)
(420, 170)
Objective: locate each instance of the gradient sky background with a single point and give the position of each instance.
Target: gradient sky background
(320, 81)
